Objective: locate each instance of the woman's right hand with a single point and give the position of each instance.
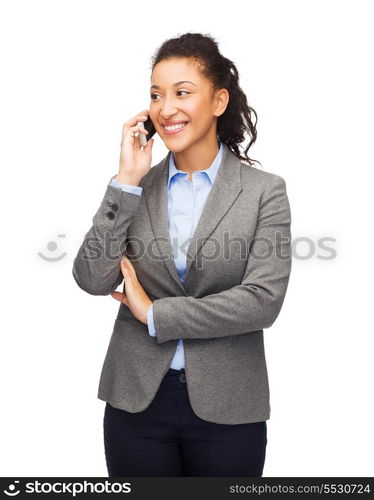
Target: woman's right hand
(135, 162)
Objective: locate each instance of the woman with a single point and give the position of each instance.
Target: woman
(208, 259)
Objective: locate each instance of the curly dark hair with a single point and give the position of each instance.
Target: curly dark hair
(222, 72)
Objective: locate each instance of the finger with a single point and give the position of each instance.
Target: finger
(130, 132)
(125, 272)
(128, 266)
(142, 116)
(121, 297)
(124, 265)
(149, 144)
(131, 138)
(139, 128)
(128, 272)
(128, 262)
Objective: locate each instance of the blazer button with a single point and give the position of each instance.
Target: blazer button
(110, 215)
(114, 206)
(182, 378)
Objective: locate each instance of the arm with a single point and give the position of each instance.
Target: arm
(96, 268)
(257, 301)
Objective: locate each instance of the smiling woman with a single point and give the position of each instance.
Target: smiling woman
(184, 111)
(207, 266)
(192, 109)
(206, 77)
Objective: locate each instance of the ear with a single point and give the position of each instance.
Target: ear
(222, 98)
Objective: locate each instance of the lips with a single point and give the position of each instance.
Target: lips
(167, 124)
(176, 131)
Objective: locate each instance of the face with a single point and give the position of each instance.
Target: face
(181, 94)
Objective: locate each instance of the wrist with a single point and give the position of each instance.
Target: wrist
(127, 179)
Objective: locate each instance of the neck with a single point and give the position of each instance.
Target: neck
(197, 157)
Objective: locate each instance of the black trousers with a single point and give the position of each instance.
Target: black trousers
(169, 439)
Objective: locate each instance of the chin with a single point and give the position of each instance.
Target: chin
(176, 148)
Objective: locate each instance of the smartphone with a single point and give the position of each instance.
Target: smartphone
(148, 125)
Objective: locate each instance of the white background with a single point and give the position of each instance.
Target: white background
(72, 73)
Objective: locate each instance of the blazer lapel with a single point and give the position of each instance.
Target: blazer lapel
(226, 188)
(155, 194)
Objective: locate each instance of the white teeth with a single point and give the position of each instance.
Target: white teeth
(175, 127)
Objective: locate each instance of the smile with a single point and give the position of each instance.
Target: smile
(174, 129)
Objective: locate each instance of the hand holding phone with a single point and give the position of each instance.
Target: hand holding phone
(135, 159)
(148, 125)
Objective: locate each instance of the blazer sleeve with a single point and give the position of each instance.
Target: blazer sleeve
(256, 302)
(96, 268)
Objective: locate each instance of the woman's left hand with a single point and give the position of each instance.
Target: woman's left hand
(135, 297)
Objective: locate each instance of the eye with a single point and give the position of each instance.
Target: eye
(153, 95)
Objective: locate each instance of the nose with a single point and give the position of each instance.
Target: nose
(168, 109)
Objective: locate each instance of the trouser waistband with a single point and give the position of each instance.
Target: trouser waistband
(177, 372)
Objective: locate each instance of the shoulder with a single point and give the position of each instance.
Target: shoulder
(253, 178)
(268, 189)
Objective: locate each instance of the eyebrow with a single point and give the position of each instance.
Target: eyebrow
(174, 85)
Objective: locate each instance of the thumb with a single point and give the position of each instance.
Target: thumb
(121, 297)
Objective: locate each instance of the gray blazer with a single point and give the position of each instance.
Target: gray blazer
(238, 269)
